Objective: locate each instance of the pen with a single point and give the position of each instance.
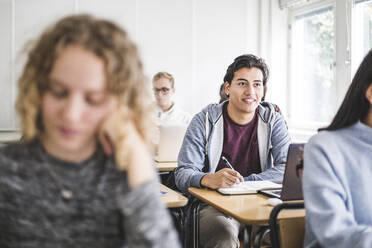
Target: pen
(227, 162)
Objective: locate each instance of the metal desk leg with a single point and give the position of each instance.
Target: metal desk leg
(253, 237)
(179, 217)
(264, 230)
(194, 233)
(247, 233)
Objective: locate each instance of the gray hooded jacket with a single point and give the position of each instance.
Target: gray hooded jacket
(204, 139)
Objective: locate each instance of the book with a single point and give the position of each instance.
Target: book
(249, 187)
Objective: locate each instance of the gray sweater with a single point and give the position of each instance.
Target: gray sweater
(204, 138)
(101, 212)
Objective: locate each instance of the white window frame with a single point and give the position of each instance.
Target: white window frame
(342, 69)
(354, 60)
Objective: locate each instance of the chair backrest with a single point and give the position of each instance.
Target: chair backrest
(288, 233)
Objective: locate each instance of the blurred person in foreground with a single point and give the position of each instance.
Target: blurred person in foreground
(82, 175)
(338, 171)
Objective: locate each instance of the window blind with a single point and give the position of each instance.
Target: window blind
(295, 3)
(360, 1)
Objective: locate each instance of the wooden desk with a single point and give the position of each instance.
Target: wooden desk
(166, 166)
(172, 199)
(251, 209)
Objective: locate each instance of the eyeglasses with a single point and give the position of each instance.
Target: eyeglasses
(163, 90)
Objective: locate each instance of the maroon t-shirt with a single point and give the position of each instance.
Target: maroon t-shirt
(240, 145)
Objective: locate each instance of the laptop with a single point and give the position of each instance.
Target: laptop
(170, 142)
(292, 187)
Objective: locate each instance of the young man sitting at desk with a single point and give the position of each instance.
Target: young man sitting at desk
(248, 132)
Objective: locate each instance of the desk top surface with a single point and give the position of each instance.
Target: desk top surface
(166, 166)
(251, 209)
(171, 198)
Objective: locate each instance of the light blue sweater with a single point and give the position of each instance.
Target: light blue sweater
(337, 186)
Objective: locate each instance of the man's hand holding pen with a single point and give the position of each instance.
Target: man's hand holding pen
(224, 178)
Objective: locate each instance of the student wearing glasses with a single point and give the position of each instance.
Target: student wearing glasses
(167, 112)
(248, 132)
(82, 176)
(338, 171)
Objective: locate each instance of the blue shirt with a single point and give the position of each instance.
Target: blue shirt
(337, 186)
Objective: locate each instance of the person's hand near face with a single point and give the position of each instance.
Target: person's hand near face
(77, 107)
(120, 137)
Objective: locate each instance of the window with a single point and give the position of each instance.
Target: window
(312, 58)
(362, 31)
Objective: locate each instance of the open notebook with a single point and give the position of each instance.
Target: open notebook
(249, 187)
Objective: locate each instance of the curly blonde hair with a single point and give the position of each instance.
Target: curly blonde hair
(124, 70)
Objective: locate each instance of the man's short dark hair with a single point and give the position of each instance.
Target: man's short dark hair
(247, 61)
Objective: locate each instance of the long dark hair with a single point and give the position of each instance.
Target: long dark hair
(355, 105)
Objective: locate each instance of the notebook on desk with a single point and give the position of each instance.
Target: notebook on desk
(292, 187)
(170, 142)
(249, 187)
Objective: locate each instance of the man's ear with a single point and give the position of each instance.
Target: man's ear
(264, 93)
(227, 88)
(369, 94)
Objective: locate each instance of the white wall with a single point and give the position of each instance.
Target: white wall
(272, 46)
(195, 40)
(6, 69)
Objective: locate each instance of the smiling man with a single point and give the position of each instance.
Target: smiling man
(247, 131)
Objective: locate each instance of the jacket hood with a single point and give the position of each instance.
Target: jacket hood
(266, 111)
